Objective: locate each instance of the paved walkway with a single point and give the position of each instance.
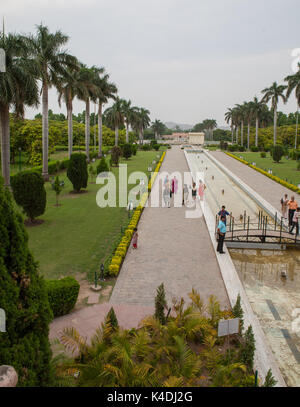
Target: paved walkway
(173, 250)
(270, 190)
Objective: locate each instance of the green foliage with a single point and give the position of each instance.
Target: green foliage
(160, 304)
(23, 296)
(57, 188)
(102, 166)
(77, 171)
(146, 147)
(29, 192)
(127, 151)
(238, 312)
(248, 348)
(156, 147)
(134, 149)
(116, 153)
(277, 152)
(269, 380)
(112, 318)
(254, 149)
(62, 295)
(263, 154)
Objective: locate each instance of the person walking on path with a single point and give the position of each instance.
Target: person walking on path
(202, 187)
(224, 213)
(221, 231)
(185, 194)
(194, 191)
(172, 187)
(166, 195)
(295, 219)
(284, 206)
(175, 185)
(135, 238)
(292, 205)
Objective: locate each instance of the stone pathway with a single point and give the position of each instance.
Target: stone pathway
(270, 190)
(172, 250)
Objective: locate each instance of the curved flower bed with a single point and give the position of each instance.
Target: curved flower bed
(273, 177)
(122, 248)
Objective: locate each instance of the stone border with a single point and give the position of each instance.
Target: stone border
(263, 358)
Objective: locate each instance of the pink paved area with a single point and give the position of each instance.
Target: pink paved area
(270, 190)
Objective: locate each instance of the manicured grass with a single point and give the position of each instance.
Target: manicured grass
(78, 235)
(286, 169)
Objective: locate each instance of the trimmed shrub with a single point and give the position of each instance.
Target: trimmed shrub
(53, 167)
(254, 149)
(77, 171)
(277, 152)
(263, 154)
(63, 165)
(102, 166)
(134, 149)
(23, 296)
(146, 147)
(127, 152)
(29, 192)
(116, 153)
(62, 295)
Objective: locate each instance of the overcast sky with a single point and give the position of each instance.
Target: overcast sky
(184, 60)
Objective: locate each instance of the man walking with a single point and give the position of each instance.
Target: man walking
(292, 204)
(221, 231)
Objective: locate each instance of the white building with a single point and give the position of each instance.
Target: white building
(196, 138)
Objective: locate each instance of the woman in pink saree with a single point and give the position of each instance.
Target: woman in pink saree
(202, 187)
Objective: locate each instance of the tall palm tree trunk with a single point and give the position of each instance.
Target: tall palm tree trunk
(256, 131)
(5, 143)
(248, 136)
(45, 131)
(100, 130)
(231, 132)
(127, 132)
(275, 125)
(141, 136)
(70, 129)
(242, 133)
(87, 128)
(237, 135)
(296, 134)
(116, 135)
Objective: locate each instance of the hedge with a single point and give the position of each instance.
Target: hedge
(62, 295)
(273, 177)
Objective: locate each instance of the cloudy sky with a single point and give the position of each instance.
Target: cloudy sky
(184, 60)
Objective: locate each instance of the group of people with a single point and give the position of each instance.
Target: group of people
(290, 211)
(221, 229)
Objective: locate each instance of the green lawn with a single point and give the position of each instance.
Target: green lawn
(286, 169)
(78, 235)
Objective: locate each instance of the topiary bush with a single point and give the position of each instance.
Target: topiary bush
(134, 149)
(23, 296)
(29, 192)
(277, 152)
(116, 153)
(102, 166)
(263, 154)
(77, 171)
(62, 295)
(127, 152)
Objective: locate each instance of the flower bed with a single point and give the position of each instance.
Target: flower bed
(121, 250)
(273, 177)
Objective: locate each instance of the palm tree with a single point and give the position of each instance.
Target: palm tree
(115, 117)
(141, 120)
(87, 91)
(128, 111)
(257, 110)
(105, 90)
(240, 110)
(51, 60)
(274, 93)
(68, 88)
(229, 117)
(18, 87)
(248, 113)
(158, 127)
(294, 83)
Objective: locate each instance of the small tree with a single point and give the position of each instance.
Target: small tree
(92, 173)
(160, 304)
(112, 318)
(156, 147)
(269, 380)
(116, 153)
(277, 153)
(133, 149)
(102, 166)
(238, 312)
(29, 192)
(57, 188)
(77, 171)
(127, 152)
(248, 348)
